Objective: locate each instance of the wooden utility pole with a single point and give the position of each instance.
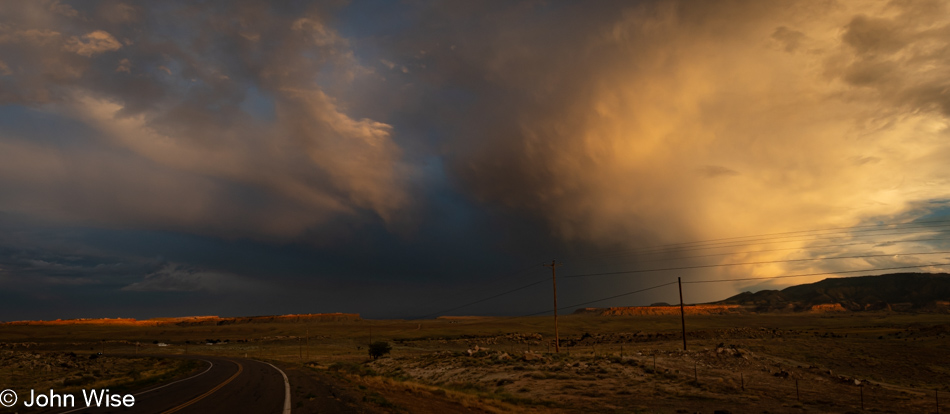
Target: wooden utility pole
(557, 341)
(308, 344)
(679, 281)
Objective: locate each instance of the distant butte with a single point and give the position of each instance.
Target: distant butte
(199, 320)
(901, 292)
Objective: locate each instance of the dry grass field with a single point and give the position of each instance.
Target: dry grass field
(887, 361)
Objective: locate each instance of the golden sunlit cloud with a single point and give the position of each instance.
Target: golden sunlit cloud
(681, 121)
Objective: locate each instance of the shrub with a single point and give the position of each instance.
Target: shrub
(351, 368)
(379, 348)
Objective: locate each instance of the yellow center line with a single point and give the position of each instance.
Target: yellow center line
(211, 391)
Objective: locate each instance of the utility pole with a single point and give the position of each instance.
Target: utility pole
(557, 341)
(679, 281)
(308, 344)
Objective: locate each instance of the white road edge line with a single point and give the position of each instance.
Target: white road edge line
(210, 364)
(286, 388)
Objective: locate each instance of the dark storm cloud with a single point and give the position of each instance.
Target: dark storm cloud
(168, 86)
(359, 152)
(594, 117)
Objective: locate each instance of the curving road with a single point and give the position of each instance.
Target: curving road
(227, 385)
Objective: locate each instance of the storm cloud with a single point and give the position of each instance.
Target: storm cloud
(203, 119)
(390, 144)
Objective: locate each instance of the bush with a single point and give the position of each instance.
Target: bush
(379, 348)
(351, 368)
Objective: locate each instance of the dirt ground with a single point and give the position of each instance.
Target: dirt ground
(887, 361)
(838, 367)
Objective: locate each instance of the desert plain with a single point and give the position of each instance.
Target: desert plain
(835, 361)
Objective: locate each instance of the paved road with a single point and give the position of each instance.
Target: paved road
(227, 385)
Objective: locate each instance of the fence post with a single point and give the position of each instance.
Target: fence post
(862, 395)
(798, 395)
(937, 400)
(695, 374)
(742, 381)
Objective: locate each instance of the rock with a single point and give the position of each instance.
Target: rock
(504, 357)
(857, 382)
(782, 374)
(531, 356)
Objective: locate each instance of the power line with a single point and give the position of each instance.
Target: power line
(722, 242)
(803, 248)
(768, 238)
(896, 227)
(791, 248)
(734, 280)
(602, 299)
(817, 274)
(752, 263)
(484, 300)
(763, 241)
(698, 281)
(512, 277)
(808, 238)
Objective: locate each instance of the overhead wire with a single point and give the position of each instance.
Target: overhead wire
(666, 259)
(483, 300)
(601, 299)
(762, 239)
(511, 277)
(751, 263)
(734, 280)
(796, 248)
(817, 274)
(784, 237)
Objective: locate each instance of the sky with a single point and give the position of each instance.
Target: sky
(403, 159)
